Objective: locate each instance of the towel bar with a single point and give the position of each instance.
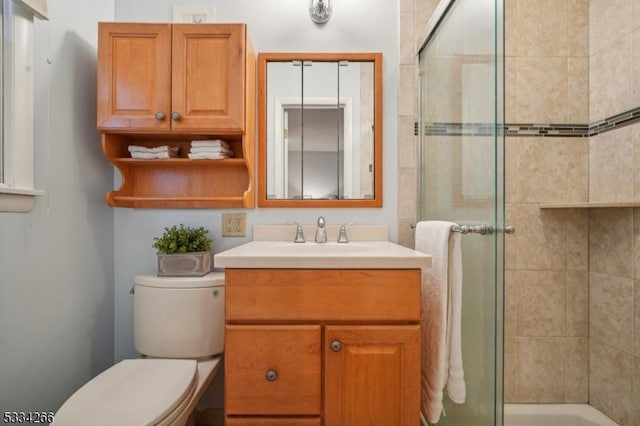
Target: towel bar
(478, 229)
(482, 229)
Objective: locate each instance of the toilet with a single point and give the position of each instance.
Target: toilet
(178, 328)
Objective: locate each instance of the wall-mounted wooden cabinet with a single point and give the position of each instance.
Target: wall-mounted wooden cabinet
(169, 84)
(326, 346)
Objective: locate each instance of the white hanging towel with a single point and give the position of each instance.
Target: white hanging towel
(441, 318)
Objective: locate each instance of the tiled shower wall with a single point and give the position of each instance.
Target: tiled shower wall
(546, 324)
(614, 233)
(568, 62)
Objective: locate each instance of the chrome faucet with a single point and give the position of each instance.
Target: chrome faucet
(321, 233)
(299, 234)
(342, 237)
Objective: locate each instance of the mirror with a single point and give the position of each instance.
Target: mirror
(320, 129)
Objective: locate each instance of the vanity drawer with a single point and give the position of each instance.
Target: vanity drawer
(272, 370)
(271, 422)
(388, 295)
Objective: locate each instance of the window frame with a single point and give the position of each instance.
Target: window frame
(17, 109)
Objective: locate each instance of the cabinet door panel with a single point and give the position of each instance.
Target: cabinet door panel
(134, 76)
(292, 355)
(373, 378)
(208, 77)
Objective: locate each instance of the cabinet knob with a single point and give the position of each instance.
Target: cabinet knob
(175, 116)
(336, 346)
(271, 375)
(160, 115)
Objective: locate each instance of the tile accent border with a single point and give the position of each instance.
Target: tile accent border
(548, 130)
(540, 130)
(615, 122)
(460, 129)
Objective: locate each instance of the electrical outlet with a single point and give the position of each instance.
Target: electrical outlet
(234, 224)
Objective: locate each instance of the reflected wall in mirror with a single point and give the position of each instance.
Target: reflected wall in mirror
(320, 129)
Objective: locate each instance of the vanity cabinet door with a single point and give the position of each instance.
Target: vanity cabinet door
(272, 370)
(134, 76)
(372, 375)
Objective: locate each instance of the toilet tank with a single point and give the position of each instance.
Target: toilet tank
(179, 317)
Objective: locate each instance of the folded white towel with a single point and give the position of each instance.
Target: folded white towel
(150, 155)
(211, 150)
(441, 301)
(207, 155)
(155, 149)
(211, 142)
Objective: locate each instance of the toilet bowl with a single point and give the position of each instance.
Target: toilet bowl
(179, 330)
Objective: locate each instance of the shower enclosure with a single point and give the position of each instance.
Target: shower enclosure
(461, 64)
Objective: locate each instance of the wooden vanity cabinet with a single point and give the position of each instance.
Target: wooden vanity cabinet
(332, 347)
(169, 84)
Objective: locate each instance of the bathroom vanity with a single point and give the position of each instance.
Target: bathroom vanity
(322, 334)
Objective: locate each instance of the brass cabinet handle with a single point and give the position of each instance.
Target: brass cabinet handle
(336, 346)
(271, 375)
(160, 115)
(175, 116)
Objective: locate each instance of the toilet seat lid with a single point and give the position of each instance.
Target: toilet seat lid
(212, 279)
(132, 392)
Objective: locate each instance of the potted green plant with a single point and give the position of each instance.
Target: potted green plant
(183, 251)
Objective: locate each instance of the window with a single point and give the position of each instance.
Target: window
(17, 106)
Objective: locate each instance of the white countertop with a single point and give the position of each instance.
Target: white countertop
(331, 255)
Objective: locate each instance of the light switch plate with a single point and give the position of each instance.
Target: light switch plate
(234, 224)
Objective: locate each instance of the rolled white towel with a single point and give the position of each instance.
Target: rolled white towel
(210, 143)
(207, 155)
(164, 148)
(211, 150)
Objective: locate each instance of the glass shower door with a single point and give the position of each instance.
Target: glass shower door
(462, 179)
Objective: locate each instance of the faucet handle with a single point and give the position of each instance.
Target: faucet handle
(342, 238)
(299, 233)
(321, 233)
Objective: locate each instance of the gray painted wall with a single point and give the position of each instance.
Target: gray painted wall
(274, 25)
(56, 263)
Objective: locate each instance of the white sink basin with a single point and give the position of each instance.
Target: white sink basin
(332, 255)
(324, 249)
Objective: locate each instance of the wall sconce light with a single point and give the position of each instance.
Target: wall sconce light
(320, 11)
